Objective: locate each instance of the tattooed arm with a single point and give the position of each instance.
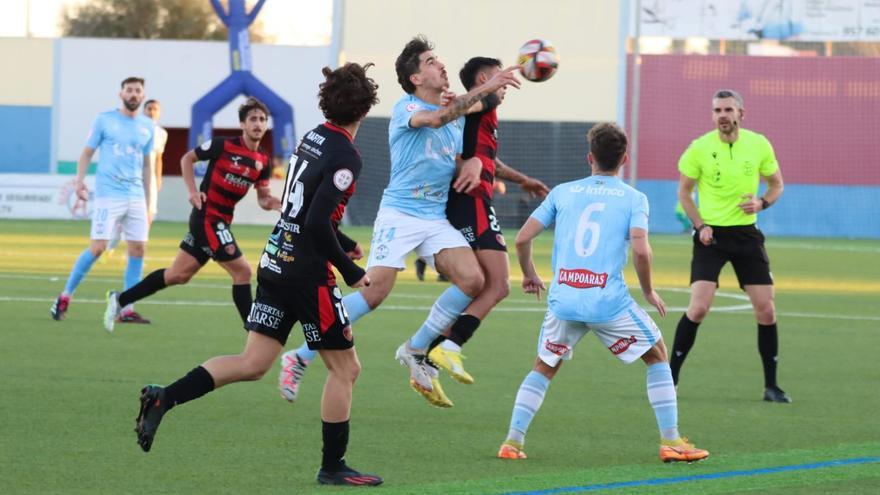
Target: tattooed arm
(462, 104)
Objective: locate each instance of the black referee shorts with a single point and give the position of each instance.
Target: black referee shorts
(742, 246)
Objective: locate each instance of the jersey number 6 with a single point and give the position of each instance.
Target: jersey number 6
(584, 225)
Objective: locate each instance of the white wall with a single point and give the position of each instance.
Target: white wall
(177, 73)
(585, 32)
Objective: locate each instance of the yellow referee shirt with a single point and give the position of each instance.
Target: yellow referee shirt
(725, 172)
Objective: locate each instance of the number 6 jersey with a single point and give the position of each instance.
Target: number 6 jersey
(593, 217)
(304, 243)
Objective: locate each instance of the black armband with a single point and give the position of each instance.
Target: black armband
(764, 203)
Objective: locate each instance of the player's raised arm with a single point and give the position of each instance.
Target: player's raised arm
(532, 283)
(463, 104)
(642, 259)
(532, 186)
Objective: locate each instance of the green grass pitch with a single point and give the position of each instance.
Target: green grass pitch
(68, 390)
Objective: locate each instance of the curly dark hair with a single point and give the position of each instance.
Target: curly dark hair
(251, 104)
(472, 67)
(347, 94)
(407, 62)
(607, 144)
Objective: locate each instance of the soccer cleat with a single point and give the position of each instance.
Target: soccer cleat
(153, 407)
(420, 269)
(59, 308)
(347, 476)
(775, 394)
(292, 369)
(436, 397)
(450, 361)
(132, 317)
(418, 369)
(681, 450)
(112, 311)
(511, 450)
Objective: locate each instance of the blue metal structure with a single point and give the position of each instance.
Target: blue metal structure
(241, 81)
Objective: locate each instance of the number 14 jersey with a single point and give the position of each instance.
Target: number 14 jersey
(320, 180)
(593, 217)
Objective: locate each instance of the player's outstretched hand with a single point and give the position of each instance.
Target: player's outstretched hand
(533, 285)
(469, 175)
(506, 77)
(655, 300)
(751, 204)
(535, 188)
(447, 97)
(197, 199)
(356, 253)
(363, 282)
(82, 191)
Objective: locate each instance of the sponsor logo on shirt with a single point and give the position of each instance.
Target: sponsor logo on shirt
(598, 191)
(622, 345)
(558, 349)
(315, 138)
(237, 180)
(289, 227)
(411, 107)
(582, 278)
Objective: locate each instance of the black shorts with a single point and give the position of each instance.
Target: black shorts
(316, 306)
(210, 239)
(743, 246)
(476, 220)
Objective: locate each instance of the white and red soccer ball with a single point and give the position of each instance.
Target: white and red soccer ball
(538, 60)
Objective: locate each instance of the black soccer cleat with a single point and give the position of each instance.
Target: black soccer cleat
(775, 394)
(347, 476)
(59, 308)
(153, 407)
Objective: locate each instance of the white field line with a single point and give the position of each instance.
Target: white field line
(501, 309)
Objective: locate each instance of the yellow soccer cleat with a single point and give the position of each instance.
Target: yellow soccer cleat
(511, 450)
(680, 450)
(435, 397)
(450, 361)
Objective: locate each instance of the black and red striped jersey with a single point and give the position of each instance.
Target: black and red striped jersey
(481, 140)
(305, 242)
(232, 169)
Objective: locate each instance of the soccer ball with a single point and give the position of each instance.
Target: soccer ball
(538, 60)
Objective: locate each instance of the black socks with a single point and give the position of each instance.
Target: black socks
(768, 346)
(195, 384)
(241, 296)
(151, 284)
(335, 444)
(685, 335)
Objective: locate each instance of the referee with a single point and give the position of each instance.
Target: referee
(726, 165)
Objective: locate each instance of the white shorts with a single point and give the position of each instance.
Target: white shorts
(627, 337)
(109, 214)
(397, 234)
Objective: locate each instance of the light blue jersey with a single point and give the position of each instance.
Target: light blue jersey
(590, 246)
(422, 162)
(121, 142)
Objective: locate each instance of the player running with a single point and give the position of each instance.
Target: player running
(124, 140)
(296, 281)
(235, 164)
(596, 218)
(426, 143)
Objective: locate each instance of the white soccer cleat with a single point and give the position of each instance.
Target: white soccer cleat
(292, 369)
(112, 311)
(415, 361)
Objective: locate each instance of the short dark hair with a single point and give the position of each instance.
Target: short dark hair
(729, 93)
(468, 73)
(407, 62)
(249, 105)
(151, 101)
(607, 144)
(347, 94)
(132, 79)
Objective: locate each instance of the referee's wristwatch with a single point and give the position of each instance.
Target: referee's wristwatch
(764, 203)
